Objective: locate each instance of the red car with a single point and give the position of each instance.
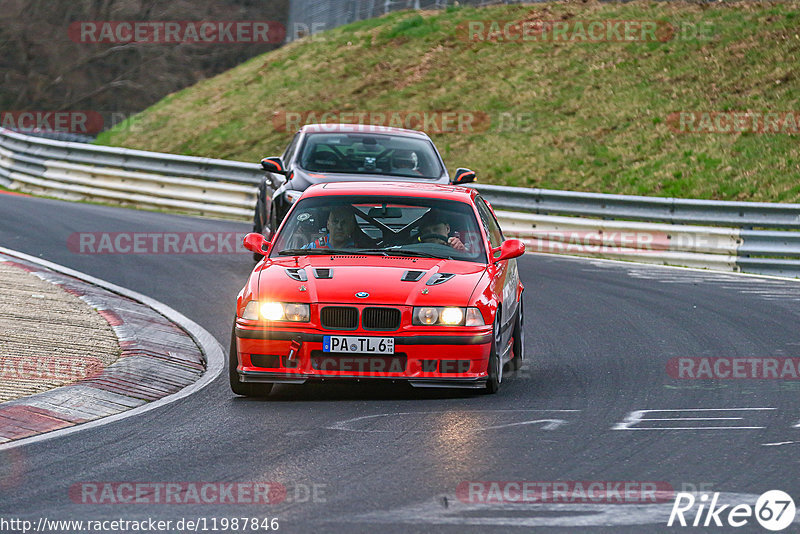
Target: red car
(389, 281)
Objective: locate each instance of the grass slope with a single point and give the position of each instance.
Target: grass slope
(596, 111)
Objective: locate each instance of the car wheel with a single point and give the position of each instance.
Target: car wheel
(495, 365)
(519, 339)
(237, 386)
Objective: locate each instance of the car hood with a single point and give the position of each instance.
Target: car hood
(337, 279)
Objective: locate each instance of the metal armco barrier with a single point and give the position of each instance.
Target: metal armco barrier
(687, 246)
(752, 237)
(79, 171)
(671, 210)
(737, 236)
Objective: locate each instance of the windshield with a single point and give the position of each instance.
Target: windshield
(356, 153)
(393, 226)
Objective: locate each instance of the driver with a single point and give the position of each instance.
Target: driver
(405, 161)
(434, 228)
(341, 230)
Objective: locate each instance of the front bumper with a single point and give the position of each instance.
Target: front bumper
(449, 358)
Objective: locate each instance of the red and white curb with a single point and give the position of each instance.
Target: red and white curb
(165, 357)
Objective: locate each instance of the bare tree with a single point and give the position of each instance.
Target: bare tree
(41, 68)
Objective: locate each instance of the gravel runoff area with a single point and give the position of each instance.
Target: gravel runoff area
(48, 336)
(72, 351)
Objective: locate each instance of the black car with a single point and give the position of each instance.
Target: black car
(344, 153)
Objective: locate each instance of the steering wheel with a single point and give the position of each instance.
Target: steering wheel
(439, 237)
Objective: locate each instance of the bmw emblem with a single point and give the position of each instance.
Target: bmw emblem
(362, 294)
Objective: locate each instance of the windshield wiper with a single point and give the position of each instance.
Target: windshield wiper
(330, 252)
(364, 252)
(411, 253)
(314, 251)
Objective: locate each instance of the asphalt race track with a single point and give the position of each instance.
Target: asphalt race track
(389, 458)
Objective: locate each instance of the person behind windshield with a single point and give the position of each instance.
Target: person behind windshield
(341, 230)
(435, 228)
(405, 162)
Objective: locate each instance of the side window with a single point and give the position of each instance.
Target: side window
(489, 223)
(290, 150)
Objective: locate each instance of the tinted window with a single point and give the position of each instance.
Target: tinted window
(359, 153)
(402, 226)
(489, 223)
(290, 150)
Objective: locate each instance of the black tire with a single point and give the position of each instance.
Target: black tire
(237, 386)
(519, 339)
(495, 366)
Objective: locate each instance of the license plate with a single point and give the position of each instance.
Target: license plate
(360, 345)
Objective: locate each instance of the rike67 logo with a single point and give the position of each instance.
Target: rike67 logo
(774, 510)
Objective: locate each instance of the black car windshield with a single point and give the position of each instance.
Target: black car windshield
(383, 226)
(368, 153)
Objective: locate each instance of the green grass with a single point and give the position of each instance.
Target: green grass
(563, 115)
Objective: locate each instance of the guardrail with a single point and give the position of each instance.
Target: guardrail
(639, 208)
(751, 237)
(735, 236)
(202, 186)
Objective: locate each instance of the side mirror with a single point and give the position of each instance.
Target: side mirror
(511, 248)
(463, 176)
(274, 165)
(255, 243)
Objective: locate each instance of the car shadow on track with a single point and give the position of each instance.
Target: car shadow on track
(375, 391)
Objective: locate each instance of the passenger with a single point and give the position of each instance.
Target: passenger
(341, 230)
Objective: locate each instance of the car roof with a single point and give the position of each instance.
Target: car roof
(401, 189)
(361, 128)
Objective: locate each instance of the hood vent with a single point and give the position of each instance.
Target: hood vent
(324, 273)
(296, 273)
(412, 276)
(439, 278)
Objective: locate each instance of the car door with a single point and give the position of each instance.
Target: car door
(505, 277)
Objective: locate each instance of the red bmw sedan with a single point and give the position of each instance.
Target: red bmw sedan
(385, 281)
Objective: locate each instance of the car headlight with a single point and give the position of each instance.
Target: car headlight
(452, 316)
(446, 316)
(277, 311)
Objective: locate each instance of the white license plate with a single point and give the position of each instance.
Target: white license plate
(360, 345)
